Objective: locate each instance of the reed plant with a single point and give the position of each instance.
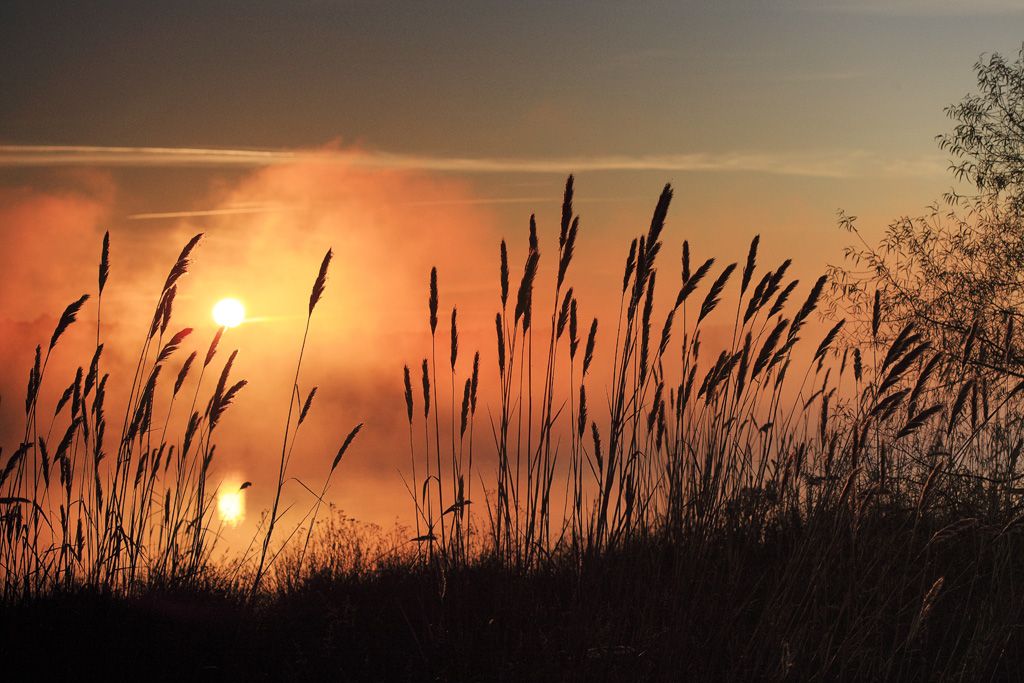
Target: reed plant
(768, 428)
(766, 478)
(83, 510)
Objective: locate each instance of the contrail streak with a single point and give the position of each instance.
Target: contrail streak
(823, 165)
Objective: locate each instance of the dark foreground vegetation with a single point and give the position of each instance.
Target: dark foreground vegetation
(811, 498)
(896, 597)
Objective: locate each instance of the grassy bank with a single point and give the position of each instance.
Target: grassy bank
(894, 597)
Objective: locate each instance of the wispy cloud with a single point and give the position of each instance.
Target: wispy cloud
(818, 77)
(840, 164)
(228, 211)
(951, 8)
(256, 208)
(85, 155)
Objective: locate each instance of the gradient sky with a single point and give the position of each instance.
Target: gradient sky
(495, 78)
(388, 129)
(829, 103)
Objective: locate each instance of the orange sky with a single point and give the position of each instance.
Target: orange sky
(387, 228)
(403, 140)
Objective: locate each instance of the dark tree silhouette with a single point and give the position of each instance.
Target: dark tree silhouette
(957, 270)
(987, 142)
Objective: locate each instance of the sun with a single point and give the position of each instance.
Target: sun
(231, 507)
(229, 312)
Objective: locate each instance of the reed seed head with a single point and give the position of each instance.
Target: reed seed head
(321, 281)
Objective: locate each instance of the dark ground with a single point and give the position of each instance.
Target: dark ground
(802, 604)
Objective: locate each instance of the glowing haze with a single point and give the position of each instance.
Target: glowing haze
(407, 136)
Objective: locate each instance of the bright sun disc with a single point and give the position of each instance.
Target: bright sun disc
(229, 313)
(231, 507)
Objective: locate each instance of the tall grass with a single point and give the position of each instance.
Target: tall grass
(795, 420)
(810, 497)
(136, 510)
